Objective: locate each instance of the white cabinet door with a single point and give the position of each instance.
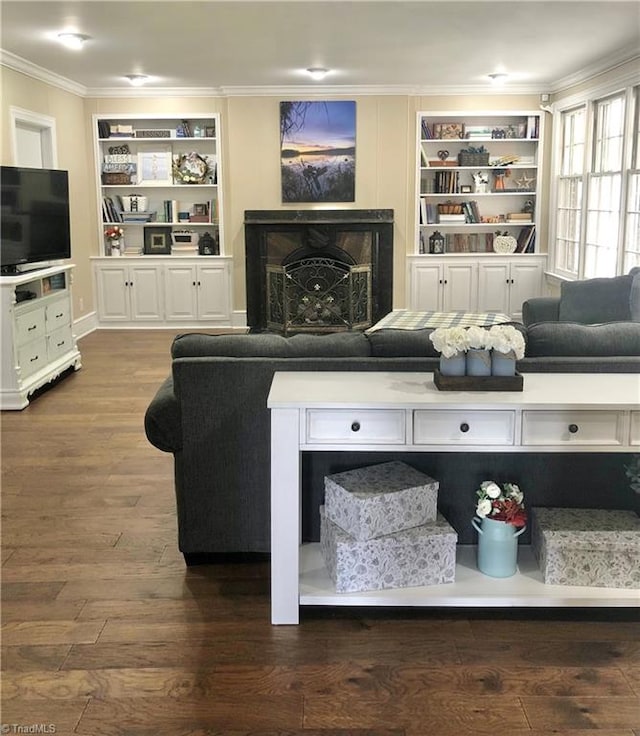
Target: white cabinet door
(181, 293)
(213, 292)
(494, 287)
(459, 287)
(426, 287)
(112, 284)
(146, 293)
(128, 293)
(505, 284)
(526, 282)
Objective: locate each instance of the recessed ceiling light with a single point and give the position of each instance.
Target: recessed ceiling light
(72, 40)
(317, 72)
(498, 78)
(137, 80)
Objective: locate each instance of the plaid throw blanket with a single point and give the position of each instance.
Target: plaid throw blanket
(404, 320)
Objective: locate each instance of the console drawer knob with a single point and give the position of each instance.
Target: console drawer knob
(355, 427)
(573, 428)
(464, 427)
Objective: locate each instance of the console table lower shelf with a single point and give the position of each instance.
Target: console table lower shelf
(471, 588)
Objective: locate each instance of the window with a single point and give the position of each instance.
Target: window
(632, 225)
(570, 191)
(597, 208)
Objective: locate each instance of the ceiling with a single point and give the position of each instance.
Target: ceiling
(252, 47)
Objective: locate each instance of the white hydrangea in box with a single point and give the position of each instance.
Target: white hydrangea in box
(423, 555)
(380, 499)
(590, 547)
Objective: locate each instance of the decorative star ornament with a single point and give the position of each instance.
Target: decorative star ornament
(525, 182)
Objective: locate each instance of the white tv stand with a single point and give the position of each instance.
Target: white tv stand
(37, 332)
(405, 412)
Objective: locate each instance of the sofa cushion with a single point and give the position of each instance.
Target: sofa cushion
(595, 301)
(572, 339)
(390, 343)
(634, 299)
(267, 345)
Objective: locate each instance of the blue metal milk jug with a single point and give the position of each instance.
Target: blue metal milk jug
(497, 547)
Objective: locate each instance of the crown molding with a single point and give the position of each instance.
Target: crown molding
(314, 91)
(18, 64)
(623, 56)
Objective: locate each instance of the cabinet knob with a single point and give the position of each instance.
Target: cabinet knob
(33, 327)
(355, 427)
(573, 428)
(464, 427)
(33, 360)
(194, 283)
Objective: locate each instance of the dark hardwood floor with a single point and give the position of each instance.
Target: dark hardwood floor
(105, 632)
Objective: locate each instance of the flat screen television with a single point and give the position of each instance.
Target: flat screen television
(34, 216)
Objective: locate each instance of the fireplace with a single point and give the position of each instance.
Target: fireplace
(318, 270)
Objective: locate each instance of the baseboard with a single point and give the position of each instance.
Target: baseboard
(84, 325)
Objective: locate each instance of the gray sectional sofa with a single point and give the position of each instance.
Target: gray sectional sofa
(211, 414)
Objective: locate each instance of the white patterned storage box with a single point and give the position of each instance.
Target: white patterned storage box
(592, 547)
(423, 555)
(380, 499)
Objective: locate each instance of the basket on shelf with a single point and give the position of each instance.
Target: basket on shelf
(473, 159)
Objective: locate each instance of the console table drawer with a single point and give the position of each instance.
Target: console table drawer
(445, 427)
(572, 428)
(350, 426)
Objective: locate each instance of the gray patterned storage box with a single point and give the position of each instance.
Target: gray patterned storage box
(380, 499)
(423, 555)
(592, 547)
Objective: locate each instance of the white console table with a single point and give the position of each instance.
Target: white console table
(405, 412)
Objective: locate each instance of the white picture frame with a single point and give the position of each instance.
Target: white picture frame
(154, 167)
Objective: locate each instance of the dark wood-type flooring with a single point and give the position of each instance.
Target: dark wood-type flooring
(105, 632)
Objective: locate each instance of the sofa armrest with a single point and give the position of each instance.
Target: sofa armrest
(162, 421)
(541, 309)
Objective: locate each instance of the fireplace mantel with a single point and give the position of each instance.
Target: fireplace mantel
(273, 236)
(294, 217)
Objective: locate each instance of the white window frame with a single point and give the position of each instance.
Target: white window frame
(589, 99)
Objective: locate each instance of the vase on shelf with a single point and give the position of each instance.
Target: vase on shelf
(478, 362)
(115, 247)
(497, 547)
(503, 364)
(454, 366)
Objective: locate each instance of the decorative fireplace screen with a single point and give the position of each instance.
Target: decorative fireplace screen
(318, 295)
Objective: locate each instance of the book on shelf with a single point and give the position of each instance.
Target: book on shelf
(444, 218)
(426, 130)
(526, 240)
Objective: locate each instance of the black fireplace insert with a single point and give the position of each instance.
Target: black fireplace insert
(318, 270)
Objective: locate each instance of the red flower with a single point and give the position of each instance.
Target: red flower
(509, 511)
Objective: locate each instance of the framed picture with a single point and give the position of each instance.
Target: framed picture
(318, 151)
(210, 131)
(157, 241)
(155, 167)
(465, 189)
(200, 208)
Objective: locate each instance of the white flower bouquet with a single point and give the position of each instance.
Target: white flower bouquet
(450, 340)
(478, 337)
(506, 339)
